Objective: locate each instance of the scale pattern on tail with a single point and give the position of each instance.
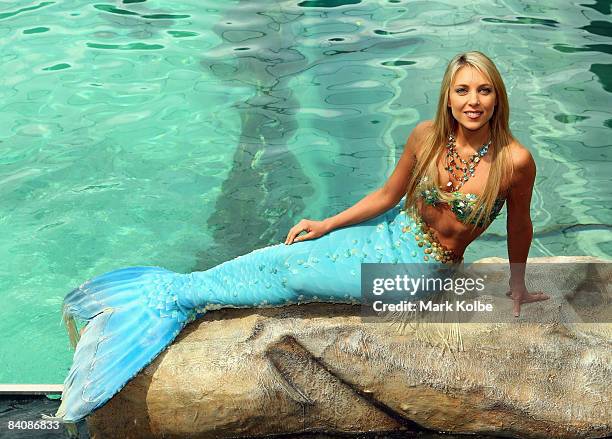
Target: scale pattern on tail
(133, 314)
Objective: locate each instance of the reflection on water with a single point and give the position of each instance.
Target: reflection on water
(254, 207)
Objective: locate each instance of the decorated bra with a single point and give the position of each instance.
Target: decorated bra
(461, 204)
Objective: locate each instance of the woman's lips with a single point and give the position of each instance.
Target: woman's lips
(473, 114)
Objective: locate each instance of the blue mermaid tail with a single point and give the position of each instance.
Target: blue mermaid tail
(133, 314)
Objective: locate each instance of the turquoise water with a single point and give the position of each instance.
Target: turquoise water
(183, 133)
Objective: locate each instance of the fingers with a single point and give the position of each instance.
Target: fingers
(290, 236)
(288, 239)
(305, 237)
(300, 227)
(294, 238)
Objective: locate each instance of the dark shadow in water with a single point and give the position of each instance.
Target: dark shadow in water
(601, 6)
(523, 20)
(603, 28)
(119, 11)
(603, 48)
(327, 3)
(569, 118)
(604, 74)
(262, 195)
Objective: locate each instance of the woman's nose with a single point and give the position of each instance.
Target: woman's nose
(473, 98)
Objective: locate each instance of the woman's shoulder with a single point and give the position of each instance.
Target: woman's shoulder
(424, 127)
(521, 156)
(523, 166)
(420, 132)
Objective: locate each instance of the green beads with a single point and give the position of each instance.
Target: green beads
(461, 205)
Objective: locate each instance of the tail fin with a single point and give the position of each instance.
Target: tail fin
(132, 315)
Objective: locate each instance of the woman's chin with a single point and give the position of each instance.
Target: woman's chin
(473, 125)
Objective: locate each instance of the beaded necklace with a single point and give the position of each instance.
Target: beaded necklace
(452, 156)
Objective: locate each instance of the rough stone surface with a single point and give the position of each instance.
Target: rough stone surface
(319, 367)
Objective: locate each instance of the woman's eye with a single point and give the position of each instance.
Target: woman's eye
(486, 90)
(460, 90)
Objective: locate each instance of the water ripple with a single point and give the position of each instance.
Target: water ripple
(130, 46)
(60, 66)
(35, 30)
(327, 3)
(602, 48)
(113, 10)
(523, 20)
(5, 15)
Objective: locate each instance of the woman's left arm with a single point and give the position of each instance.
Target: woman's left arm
(519, 226)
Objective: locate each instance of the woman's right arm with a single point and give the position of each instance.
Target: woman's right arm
(372, 204)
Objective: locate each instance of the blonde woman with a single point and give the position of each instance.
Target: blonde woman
(456, 173)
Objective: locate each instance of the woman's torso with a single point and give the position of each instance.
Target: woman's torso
(450, 230)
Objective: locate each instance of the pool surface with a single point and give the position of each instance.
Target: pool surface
(181, 134)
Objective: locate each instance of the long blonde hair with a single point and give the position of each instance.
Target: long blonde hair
(445, 124)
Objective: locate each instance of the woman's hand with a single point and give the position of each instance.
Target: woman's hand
(520, 295)
(372, 204)
(313, 229)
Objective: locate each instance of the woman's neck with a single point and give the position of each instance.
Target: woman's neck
(472, 140)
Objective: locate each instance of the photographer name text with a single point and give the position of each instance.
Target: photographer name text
(420, 306)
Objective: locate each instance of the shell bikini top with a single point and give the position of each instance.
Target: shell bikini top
(461, 204)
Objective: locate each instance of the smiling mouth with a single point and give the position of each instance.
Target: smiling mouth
(473, 114)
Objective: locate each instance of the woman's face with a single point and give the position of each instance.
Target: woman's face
(472, 98)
